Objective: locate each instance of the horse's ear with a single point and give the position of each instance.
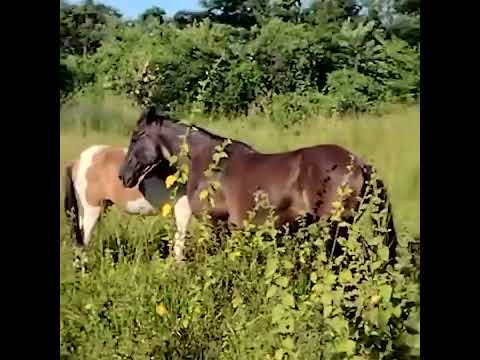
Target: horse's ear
(151, 114)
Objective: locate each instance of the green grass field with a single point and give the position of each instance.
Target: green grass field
(129, 303)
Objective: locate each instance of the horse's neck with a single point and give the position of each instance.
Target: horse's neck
(201, 142)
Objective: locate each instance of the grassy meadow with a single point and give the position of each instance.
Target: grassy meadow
(126, 301)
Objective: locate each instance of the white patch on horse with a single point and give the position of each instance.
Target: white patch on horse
(166, 154)
(140, 206)
(156, 194)
(88, 213)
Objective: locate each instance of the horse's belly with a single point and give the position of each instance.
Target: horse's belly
(155, 195)
(140, 206)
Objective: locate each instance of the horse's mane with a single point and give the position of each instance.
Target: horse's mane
(205, 131)
(163, 115)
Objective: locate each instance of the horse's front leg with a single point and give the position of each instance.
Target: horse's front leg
(183, 215)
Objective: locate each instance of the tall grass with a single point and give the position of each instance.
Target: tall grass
(244, 296)
(391, 142)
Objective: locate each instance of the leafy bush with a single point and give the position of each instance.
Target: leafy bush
(291, 108)
(352, 91)
(255, 293)
(221, 68)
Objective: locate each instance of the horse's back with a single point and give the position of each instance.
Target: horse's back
(307, 178)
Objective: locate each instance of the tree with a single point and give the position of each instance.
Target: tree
(239, 13)
(398, 17)
(82, 27)
(153, 13)
(185, 17)
(287, 10)
(332, 10)
(407, 23)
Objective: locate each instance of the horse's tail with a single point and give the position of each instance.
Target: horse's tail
(71, 205)
(368, 189)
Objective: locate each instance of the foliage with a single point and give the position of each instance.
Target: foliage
(253, 293)
(232, 298)
(125, 301)
(83, 26)
(236, 54)
(154, 13)
(352, 91)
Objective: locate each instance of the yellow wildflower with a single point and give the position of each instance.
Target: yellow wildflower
(166, 209)
(336, 204)
(170, 180)
(161, 310)
(203, 194)
(375, 299)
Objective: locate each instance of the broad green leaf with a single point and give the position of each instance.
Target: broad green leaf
(397, 311)
(385, 291)
(371, 316)
(217, 156)
(338, 324)
(173, 159)
(346, 346)
(279, 354)
(288, 300)
(313, 277)
(288, 343)
(282, 281)
(383, 253)
(327, 299)
(271, 291)
(271, 266)
(237, 301)
(327, 310)
(330, 279)
(412, 341)
(413, 321)
(286, 326)
(345, 276)
(287, 264)
(383, 316)
(216, 185)
(277, 313)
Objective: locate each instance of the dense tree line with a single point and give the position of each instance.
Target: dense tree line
(340, 55)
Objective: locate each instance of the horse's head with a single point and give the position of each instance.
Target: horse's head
(146, 149)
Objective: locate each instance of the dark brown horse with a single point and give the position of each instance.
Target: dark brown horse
(298, 183)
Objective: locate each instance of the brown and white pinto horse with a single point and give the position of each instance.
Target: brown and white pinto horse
(300, 183)
(92, 182)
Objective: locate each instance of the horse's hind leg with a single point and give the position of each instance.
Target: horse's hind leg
(90, 218)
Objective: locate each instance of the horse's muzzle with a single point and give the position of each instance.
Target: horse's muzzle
(126, 177)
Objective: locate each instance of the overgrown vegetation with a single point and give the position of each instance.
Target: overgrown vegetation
(130, 302)
(254, 70)
(126, 302)
(242, 54)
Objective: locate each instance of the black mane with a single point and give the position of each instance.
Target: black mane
(163, 115)
(215, 136)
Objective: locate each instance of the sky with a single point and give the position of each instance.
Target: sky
(133, 8)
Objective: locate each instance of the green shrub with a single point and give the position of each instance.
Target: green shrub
(252, 294)
(291, 108)
(352, 91)
(214, 67)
